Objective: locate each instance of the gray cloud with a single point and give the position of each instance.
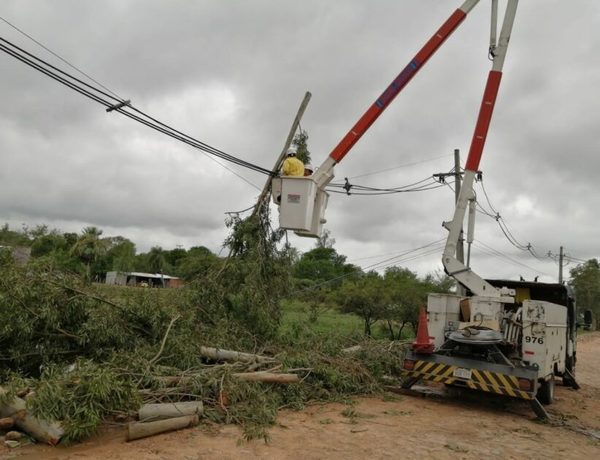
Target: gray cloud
(232, 74)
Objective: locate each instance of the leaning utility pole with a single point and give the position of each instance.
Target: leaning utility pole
(264, 196)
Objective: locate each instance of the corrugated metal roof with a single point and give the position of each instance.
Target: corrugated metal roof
(148, 275)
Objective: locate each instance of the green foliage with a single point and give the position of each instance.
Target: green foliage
(10, 237)
(366, 297)
(394, 298)
(300, 142)
(89, 248)
(120, 255)
(80, 396)
(253, 280)
(585, 280)
(198, 262)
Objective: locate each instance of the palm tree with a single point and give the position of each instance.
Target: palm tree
(89, 248)
(157, 261)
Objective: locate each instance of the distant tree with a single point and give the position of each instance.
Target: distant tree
(585, 280)
(324, 264)
(157, 261)
(49, 243)
(10, 237)
(197, 262)
(120, 255)
(325, 240)
(175, 256)
(365, 297)
(89, 248)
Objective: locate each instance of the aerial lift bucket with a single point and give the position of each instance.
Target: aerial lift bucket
(301, 205)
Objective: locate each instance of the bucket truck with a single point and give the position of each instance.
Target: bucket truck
(504, 337)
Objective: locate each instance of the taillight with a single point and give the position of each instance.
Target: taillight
(409, 364)
(525, 385)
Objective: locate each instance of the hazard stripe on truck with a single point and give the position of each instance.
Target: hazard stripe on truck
(491, 382)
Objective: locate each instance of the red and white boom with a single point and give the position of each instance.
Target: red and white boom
(303, 200)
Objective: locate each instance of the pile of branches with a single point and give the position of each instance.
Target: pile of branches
(82, 354)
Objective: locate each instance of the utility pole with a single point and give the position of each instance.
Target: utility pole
(560, 265)
(460, 249)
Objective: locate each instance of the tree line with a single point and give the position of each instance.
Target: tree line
(320, 277)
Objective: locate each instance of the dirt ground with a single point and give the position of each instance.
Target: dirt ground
(397, 427)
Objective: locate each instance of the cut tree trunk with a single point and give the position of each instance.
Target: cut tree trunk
(6, 423)
(169, 410)
(41, 430)
(229, 355)
(138, 430)
(267, 377)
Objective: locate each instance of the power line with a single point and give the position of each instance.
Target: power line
(384, 264)
(59, 57)
(354, 189)
(96, 94)
(398, 167)
(496, 253)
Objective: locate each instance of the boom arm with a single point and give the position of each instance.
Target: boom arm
(324, 174)
(452, 265)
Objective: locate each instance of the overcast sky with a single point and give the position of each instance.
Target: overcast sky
(233, 73)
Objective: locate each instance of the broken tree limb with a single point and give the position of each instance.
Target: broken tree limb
(41, 430)
(229, 355)
(169, 410)
(138, 430)
(267, 377)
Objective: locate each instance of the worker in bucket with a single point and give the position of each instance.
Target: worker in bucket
(292, 166)
(308, 170)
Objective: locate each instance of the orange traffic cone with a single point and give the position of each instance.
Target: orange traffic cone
(423, 343)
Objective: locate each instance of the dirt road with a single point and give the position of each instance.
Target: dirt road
(405, 427)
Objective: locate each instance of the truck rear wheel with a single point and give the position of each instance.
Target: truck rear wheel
(545, 394)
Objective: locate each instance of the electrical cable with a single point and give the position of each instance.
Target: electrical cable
(396, 259)
(18, 53)
(59, 57)
(398, 167)
(497, 253)
(354, 189)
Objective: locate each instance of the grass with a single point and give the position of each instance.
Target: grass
(327, 321)
(294, 312)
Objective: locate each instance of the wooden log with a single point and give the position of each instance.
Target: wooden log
(138, 430)
(41, 430)
(353, 349)
(6, 423)
(229, 355)
(267, 377)
(169, 410)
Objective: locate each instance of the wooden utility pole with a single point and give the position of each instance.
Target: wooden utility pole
(264, 196)
(560, 265)
(460, 249)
